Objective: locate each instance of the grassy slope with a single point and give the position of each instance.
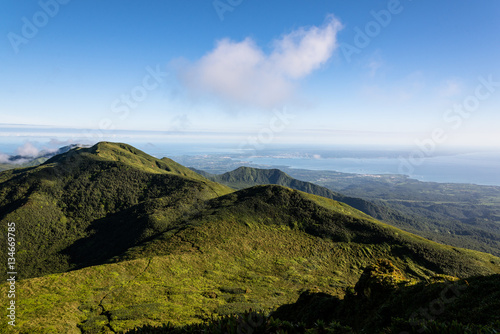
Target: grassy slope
(280, 207)
(463, 215)
(87, 205)
(455, 214)
(383, 301)
(245, 177)
(256, 248)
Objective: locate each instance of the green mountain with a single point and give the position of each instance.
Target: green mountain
(244, 177)
(89, 204)
(454, 214)
(110, 238)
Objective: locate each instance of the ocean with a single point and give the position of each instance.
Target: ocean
(477, 168)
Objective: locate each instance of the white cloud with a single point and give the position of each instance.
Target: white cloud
(243, 72)
(28, 150)
(4, 158)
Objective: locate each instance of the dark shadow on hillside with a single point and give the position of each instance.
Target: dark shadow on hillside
(383, 302)
(113, 235)
(107, 237)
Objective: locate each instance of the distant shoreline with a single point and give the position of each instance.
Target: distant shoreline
(480, 168)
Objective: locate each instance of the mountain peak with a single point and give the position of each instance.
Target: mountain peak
(121, 154)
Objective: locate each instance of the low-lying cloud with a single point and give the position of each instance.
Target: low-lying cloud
(4, 158)
(243, 72)
(28, 150)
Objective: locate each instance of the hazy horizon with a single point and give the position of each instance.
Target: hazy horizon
(464, 165)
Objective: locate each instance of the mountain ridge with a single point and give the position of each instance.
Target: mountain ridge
(249, 176)
(75, 194)
(468, 235)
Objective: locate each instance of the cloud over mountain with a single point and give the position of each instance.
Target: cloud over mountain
(4, 158)
(243, 72)
(28, 150)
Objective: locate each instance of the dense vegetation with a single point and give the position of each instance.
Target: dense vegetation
(85, 206)
(244, 177)
(133, 241)
(461, 215)
(283, 208)
(383, 301)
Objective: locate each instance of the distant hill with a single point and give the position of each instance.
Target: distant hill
(110, 238)
(244, 177)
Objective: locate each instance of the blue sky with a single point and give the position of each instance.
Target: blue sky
(314, 72)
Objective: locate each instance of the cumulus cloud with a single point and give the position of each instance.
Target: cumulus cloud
(28, 150)
(243, 72)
